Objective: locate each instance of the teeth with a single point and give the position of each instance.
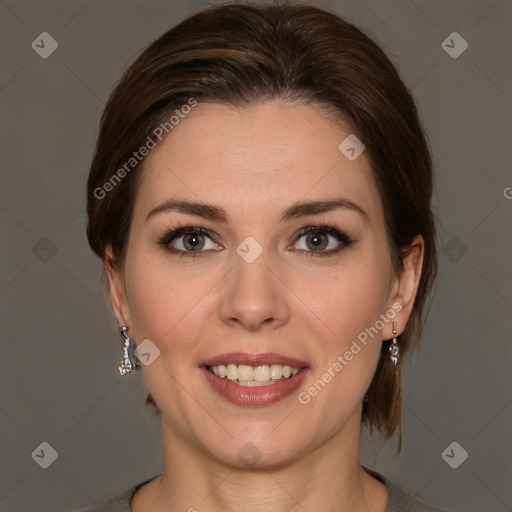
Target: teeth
(262, 375)
(276, 371)
(245, 373)
(232, 371)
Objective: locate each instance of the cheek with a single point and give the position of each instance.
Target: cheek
(348, 301)
(149, 294)
(348, 298)
(166, 301)
(349, 305)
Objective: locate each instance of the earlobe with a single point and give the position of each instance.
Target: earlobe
(406, 284)
(116, 288)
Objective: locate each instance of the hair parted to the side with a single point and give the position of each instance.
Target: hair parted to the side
(239, 54)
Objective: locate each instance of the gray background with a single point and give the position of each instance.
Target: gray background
(60, 344)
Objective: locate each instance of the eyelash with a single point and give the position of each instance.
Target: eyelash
(180, 230)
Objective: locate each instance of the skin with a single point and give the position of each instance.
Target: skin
(254, 162)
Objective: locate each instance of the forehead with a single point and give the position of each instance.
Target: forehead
(260, 158)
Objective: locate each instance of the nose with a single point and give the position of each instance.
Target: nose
(255, 295)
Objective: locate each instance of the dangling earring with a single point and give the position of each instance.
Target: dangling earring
(127, 365)
(394, 348)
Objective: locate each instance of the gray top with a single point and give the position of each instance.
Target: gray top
(399, 500)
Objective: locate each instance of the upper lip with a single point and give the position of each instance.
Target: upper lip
(254, 359)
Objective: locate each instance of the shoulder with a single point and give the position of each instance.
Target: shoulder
(401, 500)
(121, 502)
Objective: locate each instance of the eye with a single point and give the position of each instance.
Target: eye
(188, 241)
(317, 240)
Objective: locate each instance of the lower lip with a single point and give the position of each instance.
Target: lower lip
(257, 395)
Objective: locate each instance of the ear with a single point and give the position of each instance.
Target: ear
(405, 287)
(117, 288)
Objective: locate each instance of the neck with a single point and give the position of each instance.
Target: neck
(327, 477)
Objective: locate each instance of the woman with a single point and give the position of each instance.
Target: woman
(260, 200)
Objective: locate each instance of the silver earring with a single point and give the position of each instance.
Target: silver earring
(394, 348)
(127, 364)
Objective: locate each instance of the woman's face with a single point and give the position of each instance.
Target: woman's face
(258, 284)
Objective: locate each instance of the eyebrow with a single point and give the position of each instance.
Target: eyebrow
(216, 213)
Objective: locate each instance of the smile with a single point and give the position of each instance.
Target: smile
(254, 379)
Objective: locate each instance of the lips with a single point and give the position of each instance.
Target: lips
(254, 396)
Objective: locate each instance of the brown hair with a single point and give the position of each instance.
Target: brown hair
(239, 54)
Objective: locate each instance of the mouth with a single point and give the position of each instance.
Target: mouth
(254, 379)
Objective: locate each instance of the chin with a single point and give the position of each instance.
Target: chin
(258, 452)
